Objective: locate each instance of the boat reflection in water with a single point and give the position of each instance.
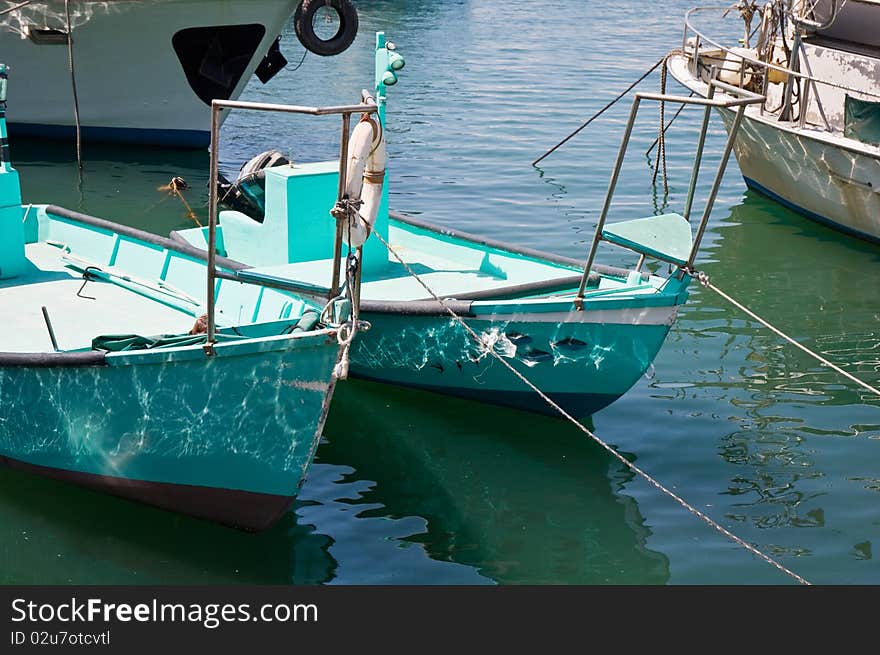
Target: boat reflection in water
(520, 497)
(787, 447)
(91, 538)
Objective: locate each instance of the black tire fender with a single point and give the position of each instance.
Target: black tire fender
(303, 25)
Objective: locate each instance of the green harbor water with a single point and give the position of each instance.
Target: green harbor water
(413, 488)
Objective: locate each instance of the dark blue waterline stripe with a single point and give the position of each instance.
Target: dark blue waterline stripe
(144, 136)
(811, 215)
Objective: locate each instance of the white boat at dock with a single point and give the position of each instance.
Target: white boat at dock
(145, 71)
(814, 144)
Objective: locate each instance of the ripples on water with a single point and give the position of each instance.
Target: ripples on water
(413, 488)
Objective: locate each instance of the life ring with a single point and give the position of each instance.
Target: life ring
(305, 30)
(365, 175)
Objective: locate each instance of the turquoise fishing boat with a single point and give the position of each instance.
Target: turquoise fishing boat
(581, 332)
(132, 364)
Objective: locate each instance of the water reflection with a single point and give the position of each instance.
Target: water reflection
(119, 183)
(54, 533)
(522, 498)
(792, 440)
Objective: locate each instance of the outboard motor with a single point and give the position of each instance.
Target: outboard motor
(248, 193)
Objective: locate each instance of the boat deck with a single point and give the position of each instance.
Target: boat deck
(446, 276)
(111, 309)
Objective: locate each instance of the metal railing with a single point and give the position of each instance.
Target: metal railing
(217, 106)
(810, 81)
(745, 99)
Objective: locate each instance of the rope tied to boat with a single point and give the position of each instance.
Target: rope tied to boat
(175, 187)
(661, 134)
(71, 66)
(601, 111)
(580, 426)
(346, 332)
(700, 276)
(703, 279)
(747, 9)
(346, 209)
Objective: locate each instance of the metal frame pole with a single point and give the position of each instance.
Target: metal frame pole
(340, 195)
(621, 153)
(217, 106)
(728, 148)
(212, 226)
(698, 159)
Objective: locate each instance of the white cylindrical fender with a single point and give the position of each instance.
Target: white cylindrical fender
(365, 175)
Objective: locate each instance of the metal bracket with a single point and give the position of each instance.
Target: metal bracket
(87, 277)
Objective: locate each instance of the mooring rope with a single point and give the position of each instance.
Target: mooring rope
(704, 280)
(693, 510)
(601, 111)
(661, 136)
(14, 7)
(668, 125)
(73, 85)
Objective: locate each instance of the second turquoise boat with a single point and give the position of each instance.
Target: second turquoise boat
(581, 332)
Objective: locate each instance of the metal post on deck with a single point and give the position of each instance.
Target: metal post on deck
(793, 65)
(217, 106)
(728, 148)
(212, 227)
(698, 158)
(609, 194)
(340, 196)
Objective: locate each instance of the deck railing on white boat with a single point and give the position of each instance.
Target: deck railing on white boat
(694, 38)
(217, 106)
(740, 100)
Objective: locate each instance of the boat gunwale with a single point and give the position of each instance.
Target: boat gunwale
(84, 358)
(602, 269)
(181, 247)
(72, 359)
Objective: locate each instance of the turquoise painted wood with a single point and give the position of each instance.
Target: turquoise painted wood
(236, 432)
(227, 437)
(667, 237)
(297, 215)
(12, 260)
(583, 366)
(102, 382)
(583, 359)
(522, 304)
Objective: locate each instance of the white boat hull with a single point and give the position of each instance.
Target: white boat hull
(131, 83)
(825, 182)
(822, 175)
